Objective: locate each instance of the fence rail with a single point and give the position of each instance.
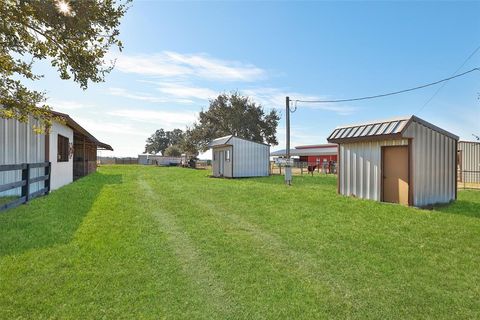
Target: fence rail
(25, 183)
(303, 167)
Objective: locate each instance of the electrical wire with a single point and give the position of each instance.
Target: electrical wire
(445, 83)
(390, 93)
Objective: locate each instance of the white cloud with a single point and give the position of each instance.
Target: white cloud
(96, 126)
(186, 91)
(121, 92)
(67, 105)
(173, 64)
(166, 119)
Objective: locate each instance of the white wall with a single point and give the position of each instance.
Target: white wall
(62, 172)
(250, 159)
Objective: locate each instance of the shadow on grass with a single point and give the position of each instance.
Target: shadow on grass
(468, 204)
(52, 219)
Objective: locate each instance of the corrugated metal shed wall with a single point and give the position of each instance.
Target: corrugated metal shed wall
(433, 164)
(19, 144)
(470, 153)
(250, 159)
(360, 168)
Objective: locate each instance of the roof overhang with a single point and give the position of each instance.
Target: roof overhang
(79, 129)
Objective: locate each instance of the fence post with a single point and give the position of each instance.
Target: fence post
(26, 178)
(48, 170)
(301, 168)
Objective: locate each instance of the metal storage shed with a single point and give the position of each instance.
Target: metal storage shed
(469, 162)
(404, 160)
(234, 157)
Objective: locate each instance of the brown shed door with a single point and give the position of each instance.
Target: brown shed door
(395, 174)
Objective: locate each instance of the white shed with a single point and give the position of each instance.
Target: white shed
(405, 160)
(234, 157)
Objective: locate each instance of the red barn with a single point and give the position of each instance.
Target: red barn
(312, 154)
(318, 153)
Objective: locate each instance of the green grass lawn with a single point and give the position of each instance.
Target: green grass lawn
(137, 242)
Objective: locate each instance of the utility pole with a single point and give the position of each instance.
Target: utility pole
(288, 168)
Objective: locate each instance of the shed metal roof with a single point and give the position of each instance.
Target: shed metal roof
(222, 141)
(390, 128)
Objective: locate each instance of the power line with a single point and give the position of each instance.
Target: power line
(445, 83)
(390, 93)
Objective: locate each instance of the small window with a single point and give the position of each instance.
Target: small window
(227, 155)
(63, 147)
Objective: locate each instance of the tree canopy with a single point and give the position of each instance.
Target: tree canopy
(161, 140)
(234, 114)
(74, 36)
(173, 151)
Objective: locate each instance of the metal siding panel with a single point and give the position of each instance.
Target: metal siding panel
(360, 166)
(19, 144)
(433, 159)
(470, 160)
(251, 159)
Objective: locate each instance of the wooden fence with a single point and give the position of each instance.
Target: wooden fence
(25, 183)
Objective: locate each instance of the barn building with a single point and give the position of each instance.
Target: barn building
(234, 157)
(404, 160)
(469, 162)
(71, 150)
(318, 153)
(312, 154)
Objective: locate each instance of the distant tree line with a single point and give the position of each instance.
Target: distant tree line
(228, 114)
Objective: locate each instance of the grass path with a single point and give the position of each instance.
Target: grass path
(199, 273)
(151, 243)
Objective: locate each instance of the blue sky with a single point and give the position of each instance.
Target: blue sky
(178, 55)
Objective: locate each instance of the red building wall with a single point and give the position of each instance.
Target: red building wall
(314, 160)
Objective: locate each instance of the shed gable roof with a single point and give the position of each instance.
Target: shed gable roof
(384, 129)
(219, 141)
(222, 141)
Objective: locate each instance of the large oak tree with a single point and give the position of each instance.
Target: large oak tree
(74, 36)
(161, 140)
(234, 114)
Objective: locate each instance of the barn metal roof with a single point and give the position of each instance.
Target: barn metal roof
(390, 128)
(332, 150)
(76, 127)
